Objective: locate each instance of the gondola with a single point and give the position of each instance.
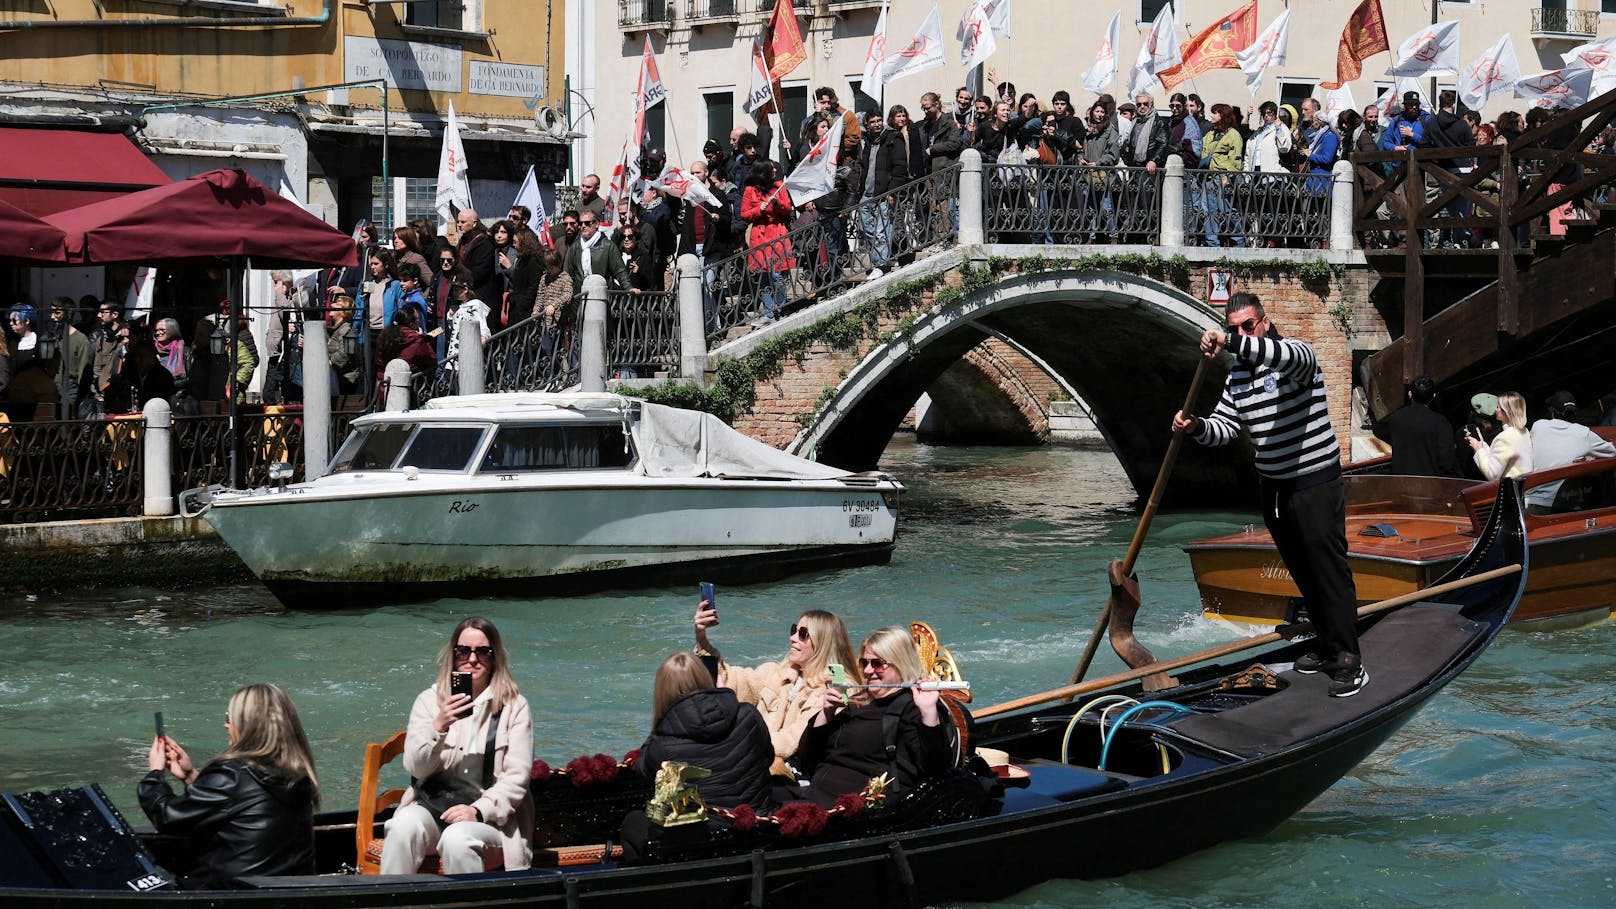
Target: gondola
(1235, 745)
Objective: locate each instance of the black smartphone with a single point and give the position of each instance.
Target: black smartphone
(707, 594)
(711, 662)
(159, 716)
(460, 683)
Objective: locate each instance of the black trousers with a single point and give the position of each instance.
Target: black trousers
(1309, 527)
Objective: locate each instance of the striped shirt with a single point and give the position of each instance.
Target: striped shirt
(1275, 392)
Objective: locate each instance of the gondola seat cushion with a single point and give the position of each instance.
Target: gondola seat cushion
(1054, 782)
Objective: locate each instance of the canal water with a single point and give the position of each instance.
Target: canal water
(1497, 795)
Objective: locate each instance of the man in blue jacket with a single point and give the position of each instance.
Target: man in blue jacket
(1407, 129)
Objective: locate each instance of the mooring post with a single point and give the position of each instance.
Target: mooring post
(157, 459)
(970, 198)
(592, 368)
(316, 400)
(470, 373)
(1172, 203)
(692, 321)
(397, 375)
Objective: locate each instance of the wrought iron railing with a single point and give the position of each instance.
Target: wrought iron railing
(53, 470)
(1070, 203)
(202, 445)
(1250, 208)
(1582, 23)
(642, 333)
(528, 356)
(717, 10)
(645, 13)
(820, 259)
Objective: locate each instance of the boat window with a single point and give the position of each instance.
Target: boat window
(442, 447)
(1583, 492)
(518, 449)
(372, 448)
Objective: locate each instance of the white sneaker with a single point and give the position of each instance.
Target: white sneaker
(874, 273)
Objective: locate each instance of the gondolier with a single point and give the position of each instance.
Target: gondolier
(1275, 392)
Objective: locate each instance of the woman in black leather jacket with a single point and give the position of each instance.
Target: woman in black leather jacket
(251, 810)
(707, 727)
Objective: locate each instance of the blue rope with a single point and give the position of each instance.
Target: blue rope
(1105, 750)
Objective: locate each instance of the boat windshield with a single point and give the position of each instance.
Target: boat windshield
(394, 446)
(526, 448)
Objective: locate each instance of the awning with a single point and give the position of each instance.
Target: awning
(44, 171)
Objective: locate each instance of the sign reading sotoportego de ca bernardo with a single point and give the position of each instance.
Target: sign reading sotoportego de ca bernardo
(512, 80)
(404, 64)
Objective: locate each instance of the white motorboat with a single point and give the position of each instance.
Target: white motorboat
(536, 495)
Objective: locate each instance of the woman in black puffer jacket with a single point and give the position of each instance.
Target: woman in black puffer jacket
(696, 723)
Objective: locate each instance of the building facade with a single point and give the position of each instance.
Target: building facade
(703, 48)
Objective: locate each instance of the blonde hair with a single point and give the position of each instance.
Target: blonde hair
(268, 733)
(679, 674)
(1514, 408)
(896, 645)
(501, 685)
(831, 644)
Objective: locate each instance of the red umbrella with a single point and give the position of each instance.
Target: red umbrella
(222, 213)
(23, 236)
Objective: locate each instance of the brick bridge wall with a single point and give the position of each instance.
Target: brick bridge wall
(1311, 312)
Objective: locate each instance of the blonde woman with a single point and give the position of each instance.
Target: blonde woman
(470, 756)
(1510, 454)
(250, 810)
(791, 691)
(705, 726)
(846, 744)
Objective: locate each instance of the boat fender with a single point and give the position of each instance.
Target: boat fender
(760, 878)
(570, 885)
(905, 874)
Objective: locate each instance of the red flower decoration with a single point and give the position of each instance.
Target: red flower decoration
(541, 772)
(850, 803)
(582, 771)
(632, 758)
(605, 768)
(744, 818)
(801, 819)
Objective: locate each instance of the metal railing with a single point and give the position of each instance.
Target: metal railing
(817, 260)
(642, 333)
(1250, 208)
(1581, 23)
(528, 356)
(1068, 203)
(717, 10)
(203, 448)
(61, 469)
(645, 13)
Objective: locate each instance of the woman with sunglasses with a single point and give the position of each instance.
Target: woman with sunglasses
(791, 692)
(846, 744)
(471, 755)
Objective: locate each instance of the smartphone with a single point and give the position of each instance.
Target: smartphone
(460, 683)
(838, 674)
(711, 662)
(707, 594)
(159, 716)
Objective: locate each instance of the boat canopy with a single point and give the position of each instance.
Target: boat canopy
(686, 443)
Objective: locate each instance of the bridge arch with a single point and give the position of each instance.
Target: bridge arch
(1125, 342)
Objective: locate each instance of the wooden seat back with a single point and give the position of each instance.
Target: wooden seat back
(367, 844)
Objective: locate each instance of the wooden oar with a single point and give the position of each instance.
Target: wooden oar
(1138, 543)
(1211, 653)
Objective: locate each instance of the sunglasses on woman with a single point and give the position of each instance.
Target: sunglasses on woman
(462, 652)
(874, 664)
(800, 632)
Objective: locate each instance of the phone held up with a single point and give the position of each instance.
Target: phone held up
(460, 683)
(709, 596)
(838, 673)
(159, 716)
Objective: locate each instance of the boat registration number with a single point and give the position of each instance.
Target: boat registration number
(861, 505)
(860, 520)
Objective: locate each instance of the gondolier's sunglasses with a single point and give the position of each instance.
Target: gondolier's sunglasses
(462, 652)
(800, 632)
(1246, 327)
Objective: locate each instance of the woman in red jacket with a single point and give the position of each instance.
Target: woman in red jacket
(766, 208)
(403, 340)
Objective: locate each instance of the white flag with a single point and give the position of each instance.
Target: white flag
(816, 175)
(1158, 53)
(137, 304)
(762, 90)
(1104, 70)
(923, 53)
(1391, 103)
(872, 58)
(1335, 101)
(1599, 57)
(454, 185)
(625, 174)
(975, 35)
(1564, 88)
(651, 91)
(1268, 50)
(1431, 51)
(999, 17)
(529, 196)
(675, 182)
(1494, 73)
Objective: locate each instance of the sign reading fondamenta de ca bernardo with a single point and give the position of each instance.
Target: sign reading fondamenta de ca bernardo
(404, 64)
(513, 80)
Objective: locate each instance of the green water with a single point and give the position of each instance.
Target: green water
(1497, 795)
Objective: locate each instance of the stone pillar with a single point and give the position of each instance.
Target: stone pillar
(592, 363)
(397, 376)
(316, 400)
(692, 321)
(1172, 203)
(1341, 205)
(970, 198)
(157, 459)
(470, 375)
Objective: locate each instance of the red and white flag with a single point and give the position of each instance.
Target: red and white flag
(1391, 103)
(1158, 53)
(1104, 70)
(998, 16)
(1335, 101)
(923, 53)
(649, 91)
(1600, 57)
(1563, 88)
(975, 34)
(1268, 50)
(816, 174)
(760, 97)
(1493, 73)
(624, 173)
(675, 182)
(529, 196)
(1431, 51)
(873, 57)
(454, 182)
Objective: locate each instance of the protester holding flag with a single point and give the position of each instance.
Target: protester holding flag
(767, 210)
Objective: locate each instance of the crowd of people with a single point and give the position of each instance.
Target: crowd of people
(808, 727)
